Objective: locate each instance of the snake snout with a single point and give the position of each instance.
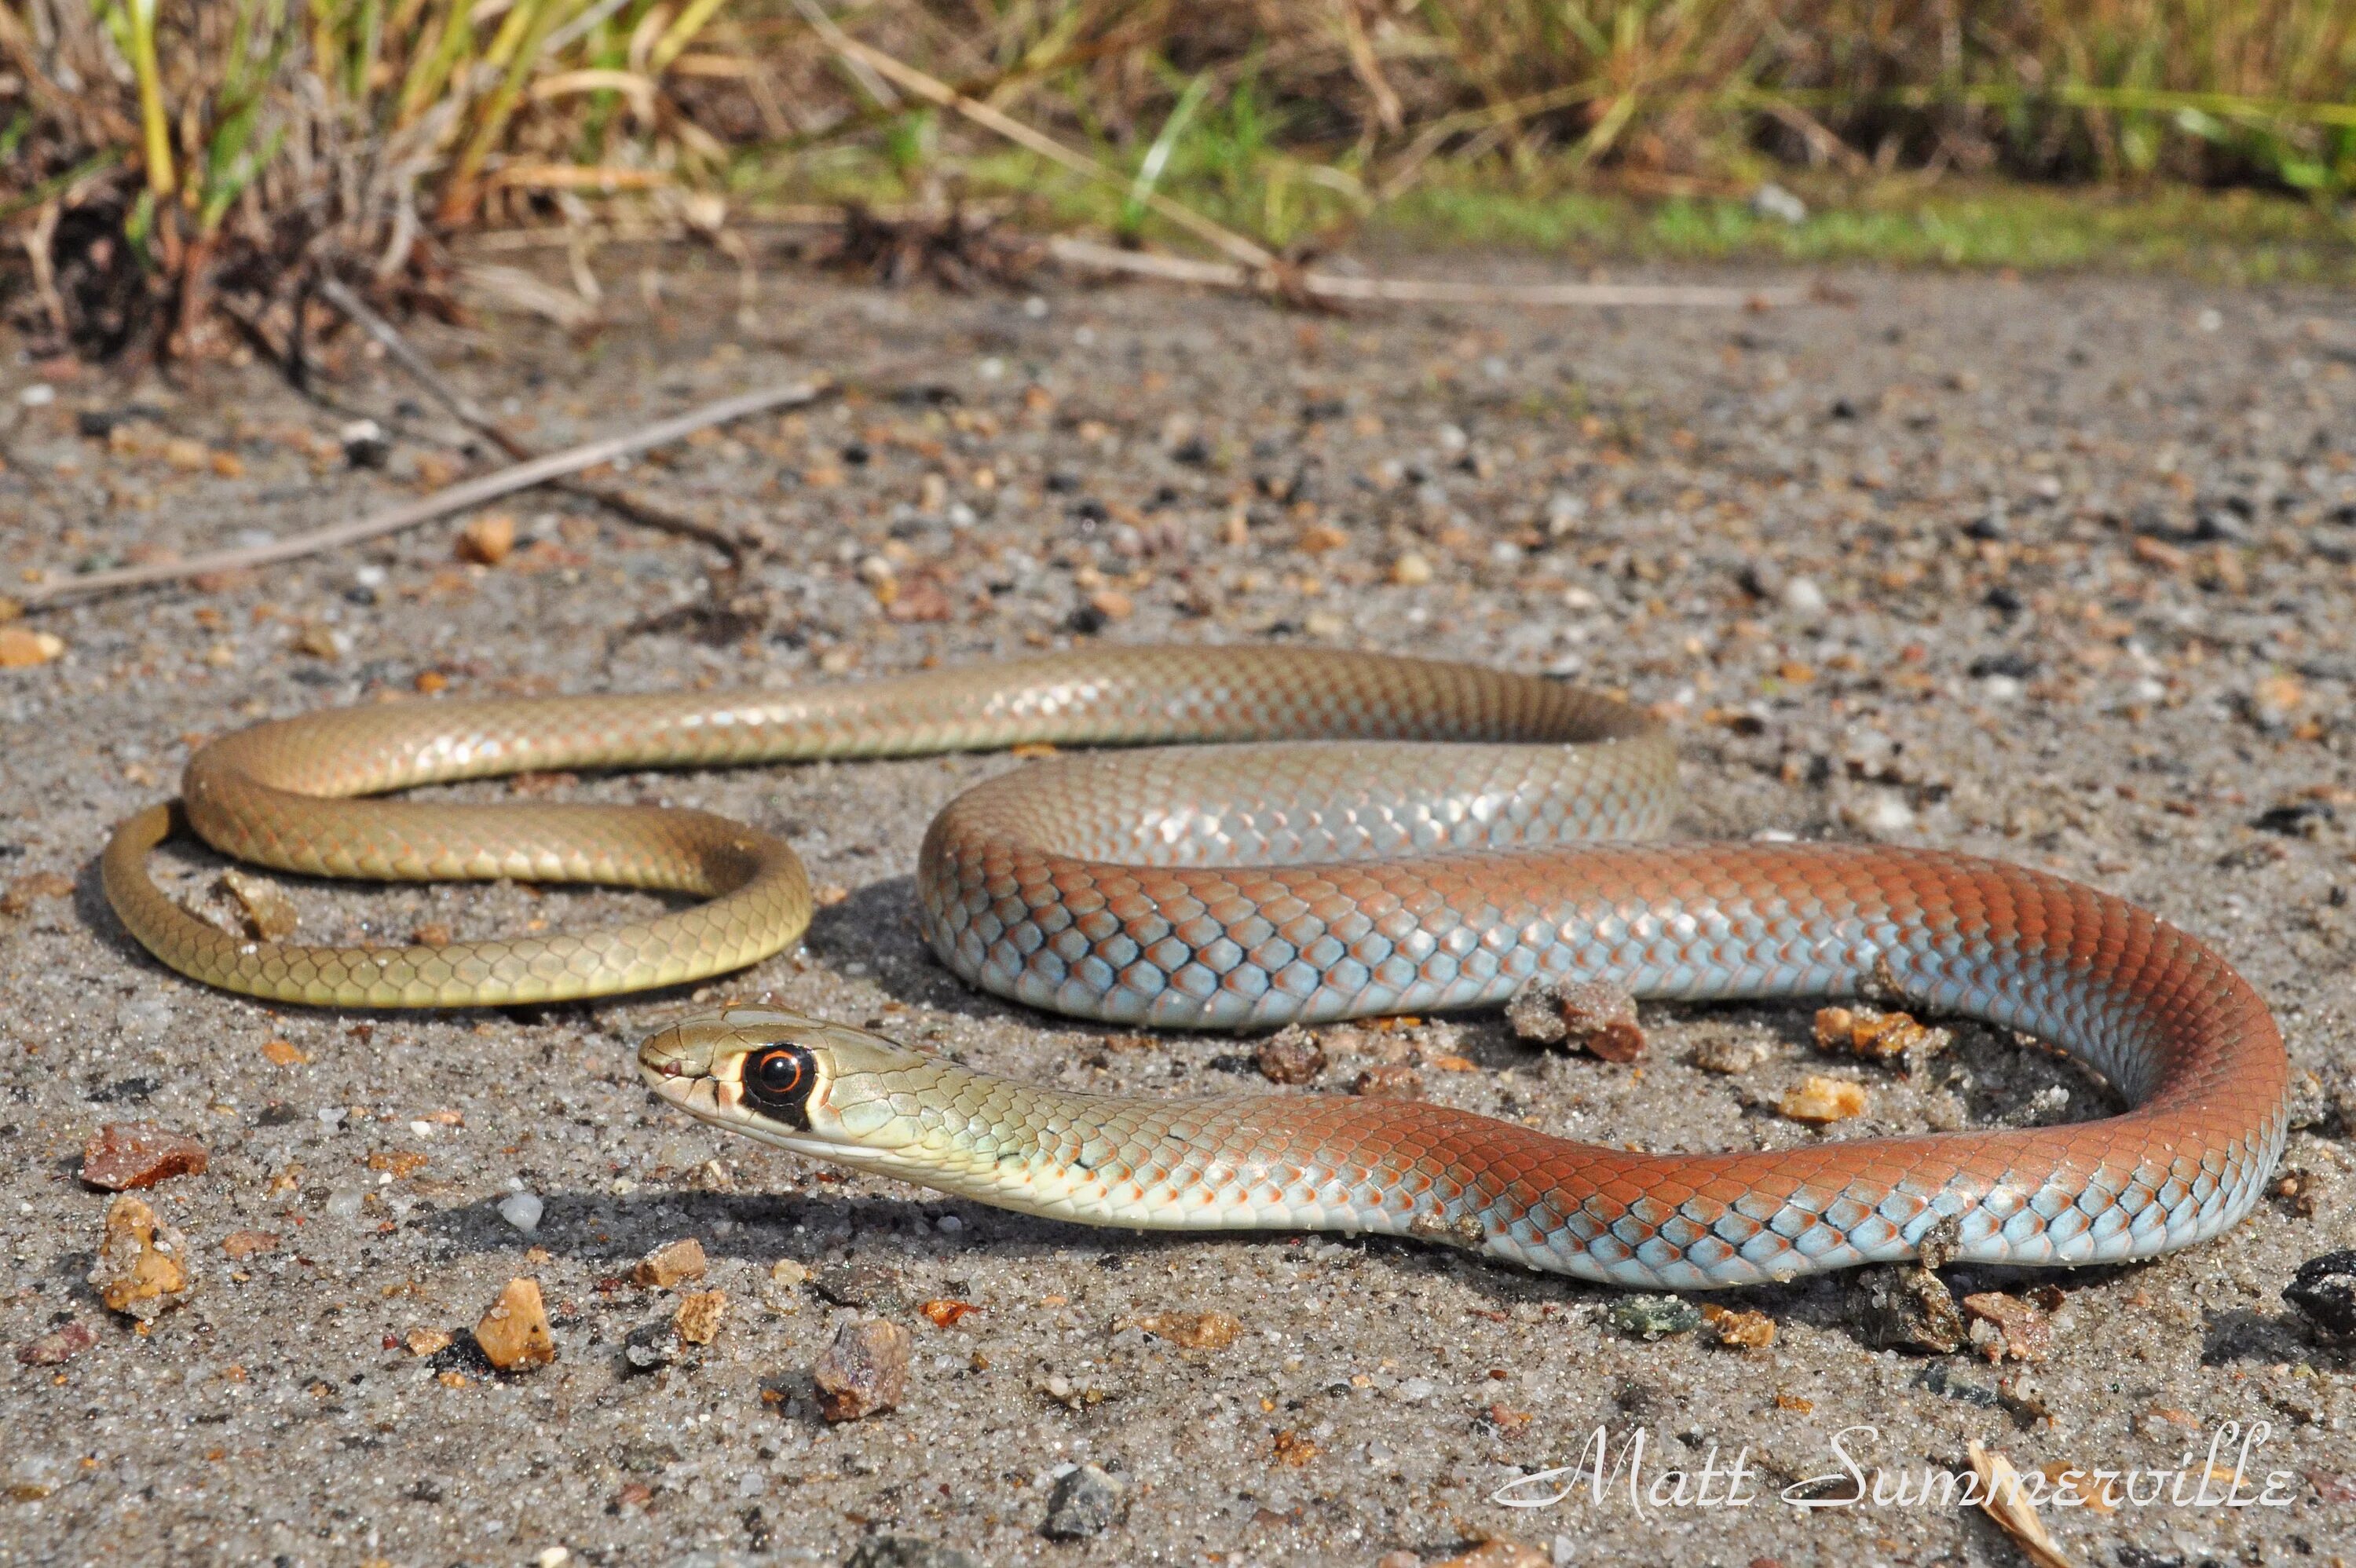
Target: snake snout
(683, 1050)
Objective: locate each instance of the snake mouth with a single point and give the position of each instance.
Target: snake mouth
(679, 1065)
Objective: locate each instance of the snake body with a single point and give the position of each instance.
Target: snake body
(1346, 834)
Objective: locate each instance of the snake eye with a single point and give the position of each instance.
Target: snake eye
(778, 1081)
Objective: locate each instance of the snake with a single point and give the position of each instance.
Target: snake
(1243, 837)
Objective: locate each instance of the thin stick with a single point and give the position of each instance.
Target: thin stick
(1326, 285)
(442, 502)
(478, 419)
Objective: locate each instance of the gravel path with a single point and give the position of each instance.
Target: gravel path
(2061, 571)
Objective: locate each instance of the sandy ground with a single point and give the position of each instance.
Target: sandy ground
(2059, 572)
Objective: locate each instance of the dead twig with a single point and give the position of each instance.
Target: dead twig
(1368, 68)
(1328, 286)
(475, 416)
(441, 504)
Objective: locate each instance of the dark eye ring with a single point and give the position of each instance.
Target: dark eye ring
(778, 1079)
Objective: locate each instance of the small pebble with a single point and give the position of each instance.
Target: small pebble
(2005, 1325)
(269, 913)
(1803, 598)
(864, 1370)
(1192, 1330)
(143, 1262)
(1740, 1326)
(651, 1347)
(868, 1286)
(1882, 812)
(788, 1273)
(423, 1342)
(321, 640)
(514, 1333)
(944, 1312)
(22, 649)
(1390, 1081)
(1773, 201)
(123, 1155)
(669, 1264)
(1907, 1307)
(59, 1346)
(1290, 1055)
(1879, 1036)
(698, 1315)
(1822, 1101)
(522, 1210)
(488, 540)
(2323, 1292)
(365, 444)
(1410, 570)
(1085, 1502)
(1651, 1317)
(1590, 1015)
(1729, 1055)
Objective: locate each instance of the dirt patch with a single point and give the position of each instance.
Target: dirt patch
(2057, 572)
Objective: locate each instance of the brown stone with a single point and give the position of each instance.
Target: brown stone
(1193, 1330)
(1294, 1449)
(1823, 1100)
(698, 1315)
(488, 540)
(1729, 1055)
(143, 1262)
(1740, 1326)
(59, 1346)
(945, 1313)
(1390, 1081)
(123, 1155)
(1290, 1055)
(1909, 1308)
(864, 1370)
(1876, 1036)
(514, 1333)
(669, 1264)
(1593, 1016)
(22, 649)
(270, 915)
(2005, 1325)
(240, 1245)
(923, 601)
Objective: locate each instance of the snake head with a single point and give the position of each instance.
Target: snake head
(814, 1087)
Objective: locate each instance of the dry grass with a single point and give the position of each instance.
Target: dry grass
(174, 175)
